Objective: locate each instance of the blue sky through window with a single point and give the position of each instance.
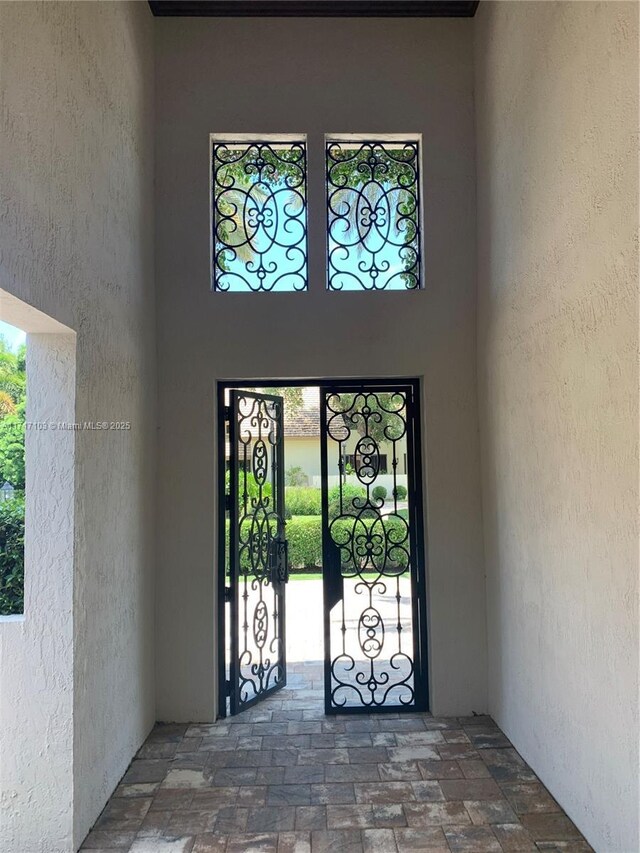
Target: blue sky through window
(259, 215)
(14, 337)
(373, 208)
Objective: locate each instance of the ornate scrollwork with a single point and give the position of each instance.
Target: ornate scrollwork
(373, 210)
(372, 669)
(259, 216)
(371, 632)
(260, 624)
(259, 536)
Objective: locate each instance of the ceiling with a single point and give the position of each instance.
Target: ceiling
(315, 8)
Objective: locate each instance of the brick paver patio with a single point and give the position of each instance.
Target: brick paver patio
(284, 778)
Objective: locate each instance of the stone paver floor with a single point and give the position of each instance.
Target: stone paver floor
(284, 778)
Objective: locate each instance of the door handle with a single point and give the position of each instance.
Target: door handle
(334, 580)
(279, 561)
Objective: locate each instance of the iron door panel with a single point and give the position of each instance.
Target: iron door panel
(373, 556)
(257, 548)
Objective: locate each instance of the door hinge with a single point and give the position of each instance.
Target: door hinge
(227, 688)
(227, 413)
(227, 502)
(227, 594)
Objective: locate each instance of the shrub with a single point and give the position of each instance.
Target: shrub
(397, 533)
(304, 534)
(302, 501)
(400, 492)
(253, 490)
(379, 493)
(12, 449)
(12, 556)
(349, 493)
(295, 476)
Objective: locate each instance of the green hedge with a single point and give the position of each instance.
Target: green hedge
(304, 534)
(307, 501)
(300, 500)
(12, 557)
(253, 490)
(349, 492)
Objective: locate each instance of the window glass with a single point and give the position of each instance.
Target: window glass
(259, 217)
(373, 214)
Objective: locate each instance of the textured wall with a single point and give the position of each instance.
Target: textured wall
(557, 119)
(76, 232)
(36, 649)
(315, 76)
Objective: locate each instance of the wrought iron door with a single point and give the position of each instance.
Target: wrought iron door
(374, 590)
(257, 548)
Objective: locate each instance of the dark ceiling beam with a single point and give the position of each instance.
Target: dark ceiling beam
(315, 8)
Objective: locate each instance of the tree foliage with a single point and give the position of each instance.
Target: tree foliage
(380, 416)
(12, 427)
(293, 399)
(12, 414)
(249, 175)
(12, 448)
(12, 556)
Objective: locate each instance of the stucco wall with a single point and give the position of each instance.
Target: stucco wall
(557, 119)
(315, 76)
(76, 231)
(36, 648)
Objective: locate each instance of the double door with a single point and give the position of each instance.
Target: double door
(374, 596)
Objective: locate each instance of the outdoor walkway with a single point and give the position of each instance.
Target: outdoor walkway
(284, 778)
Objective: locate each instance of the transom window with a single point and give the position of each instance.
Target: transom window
(259, 214)
(373, 213)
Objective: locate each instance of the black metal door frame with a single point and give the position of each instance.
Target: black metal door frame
(417, 530)
(364, 551)
(255, 561)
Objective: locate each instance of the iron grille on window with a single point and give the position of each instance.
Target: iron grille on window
(373, 214)
(259, 218)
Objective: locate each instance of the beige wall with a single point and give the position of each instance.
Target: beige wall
(557, 121)
(305, 453)
(36, 647)
(76, 231)
(315, 76)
